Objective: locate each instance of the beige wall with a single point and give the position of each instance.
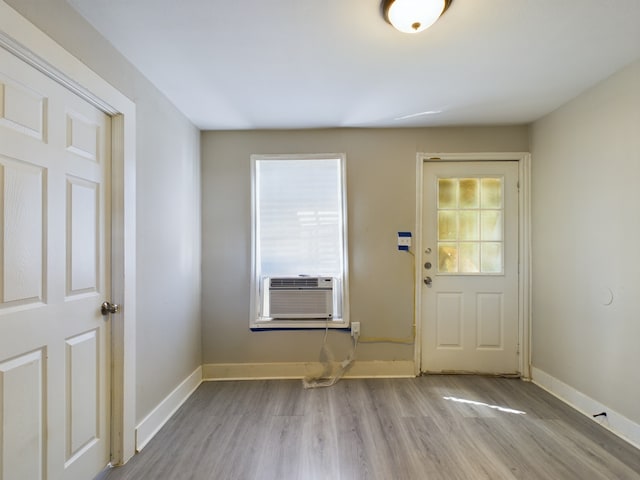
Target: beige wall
(381, 196)
(168, 208)
(586, 238)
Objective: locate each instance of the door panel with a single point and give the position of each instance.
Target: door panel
(82, 237)
(54, 245)
(22, 109)
(83, 422)
(448, 319)
(21, 414)
(22, 194)
(470, 265)
(490, 314)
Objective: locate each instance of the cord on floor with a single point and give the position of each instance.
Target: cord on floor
(328, 377)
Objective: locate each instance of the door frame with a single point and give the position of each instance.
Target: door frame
(524, 247)
(24, 40)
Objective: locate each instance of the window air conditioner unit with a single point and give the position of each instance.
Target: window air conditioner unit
(301, 298)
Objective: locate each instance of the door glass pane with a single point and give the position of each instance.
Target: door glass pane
(469, 225)
(469, 257)
(447, 257)
(447, 225)
(469, 193)
(491, 193)
(447, 193)
(491, 257)
(491, 225)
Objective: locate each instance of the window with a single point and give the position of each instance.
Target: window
(299, 243)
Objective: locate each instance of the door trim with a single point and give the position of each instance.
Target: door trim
(524, 246)
(27, 42)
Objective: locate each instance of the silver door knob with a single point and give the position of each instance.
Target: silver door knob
(427, 281)
(107, 308)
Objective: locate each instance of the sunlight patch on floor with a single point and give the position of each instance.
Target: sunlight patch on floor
(482, 404)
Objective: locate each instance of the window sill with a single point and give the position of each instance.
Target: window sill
(298, 324)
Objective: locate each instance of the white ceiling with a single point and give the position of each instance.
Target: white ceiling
(269, 64)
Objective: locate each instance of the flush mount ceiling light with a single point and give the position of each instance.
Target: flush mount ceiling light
(413, 16)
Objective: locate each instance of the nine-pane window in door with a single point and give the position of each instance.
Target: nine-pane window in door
(298, 232)
(470, 225)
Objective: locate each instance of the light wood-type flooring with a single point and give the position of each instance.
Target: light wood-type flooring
(431, 427)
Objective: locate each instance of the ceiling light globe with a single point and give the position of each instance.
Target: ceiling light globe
(413, 16)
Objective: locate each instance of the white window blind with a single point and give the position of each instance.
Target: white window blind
(299, 217)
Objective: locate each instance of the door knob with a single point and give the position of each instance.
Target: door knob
(107, 307)
(427, 281)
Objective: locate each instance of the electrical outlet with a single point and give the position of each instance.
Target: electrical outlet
(355, 329)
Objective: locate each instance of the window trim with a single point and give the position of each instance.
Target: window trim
(255, 322)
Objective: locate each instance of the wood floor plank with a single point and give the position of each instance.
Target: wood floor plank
(436, 427)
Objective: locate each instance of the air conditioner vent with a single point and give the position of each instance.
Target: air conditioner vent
(301, 297)
(301, 282)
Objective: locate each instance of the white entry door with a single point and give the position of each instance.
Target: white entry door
(470, 267)
(54, 262)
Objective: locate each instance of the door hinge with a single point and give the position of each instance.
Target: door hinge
(517, 349)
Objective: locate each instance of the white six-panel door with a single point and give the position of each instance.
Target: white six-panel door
(469, 267)
(54, 274)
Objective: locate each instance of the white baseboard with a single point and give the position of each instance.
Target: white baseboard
(297, 370)
(614, 422)
(153, 422)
